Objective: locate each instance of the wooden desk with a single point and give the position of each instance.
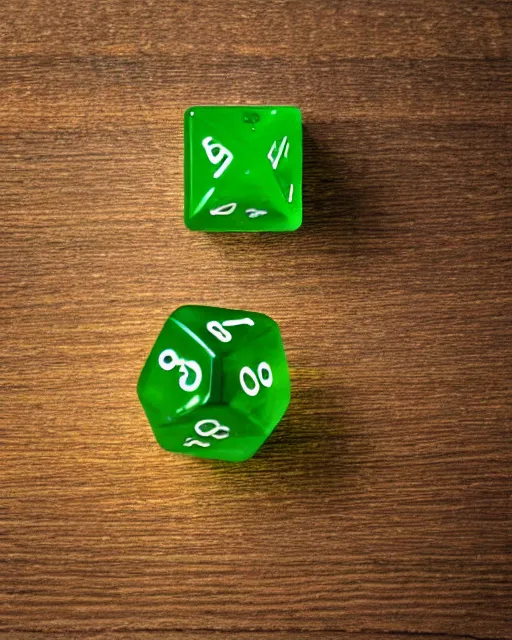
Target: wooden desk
(378, 509)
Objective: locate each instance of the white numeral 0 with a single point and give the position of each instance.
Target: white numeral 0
(264, 375)
(224, 210)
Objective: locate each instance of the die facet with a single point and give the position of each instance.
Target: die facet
(243, 168)
(216, 382)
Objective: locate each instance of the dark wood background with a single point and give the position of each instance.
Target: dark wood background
(379, 507)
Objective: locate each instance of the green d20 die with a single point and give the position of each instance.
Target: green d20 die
(216, 382)
(243, 168)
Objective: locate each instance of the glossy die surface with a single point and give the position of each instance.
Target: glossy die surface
(216, 382)
(243, 168)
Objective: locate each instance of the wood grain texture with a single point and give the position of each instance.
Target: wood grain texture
(380, 506)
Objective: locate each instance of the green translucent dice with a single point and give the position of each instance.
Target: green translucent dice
(243, 168)
(216, 382)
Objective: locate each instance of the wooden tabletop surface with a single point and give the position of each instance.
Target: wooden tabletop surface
(379, 507)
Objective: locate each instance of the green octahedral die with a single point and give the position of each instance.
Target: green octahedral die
(243, 168)
(216, 382)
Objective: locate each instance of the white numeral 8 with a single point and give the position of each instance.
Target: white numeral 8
(219, 432)
(264, 377)
(191, 374)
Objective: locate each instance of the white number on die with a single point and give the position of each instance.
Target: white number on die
(216, 154)
(255, 213)
(228, 209)
(264, 377)
(190, 442)
(219, 432)
(224, 210)
(284, 147)
(218, 330)
(191, 374)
